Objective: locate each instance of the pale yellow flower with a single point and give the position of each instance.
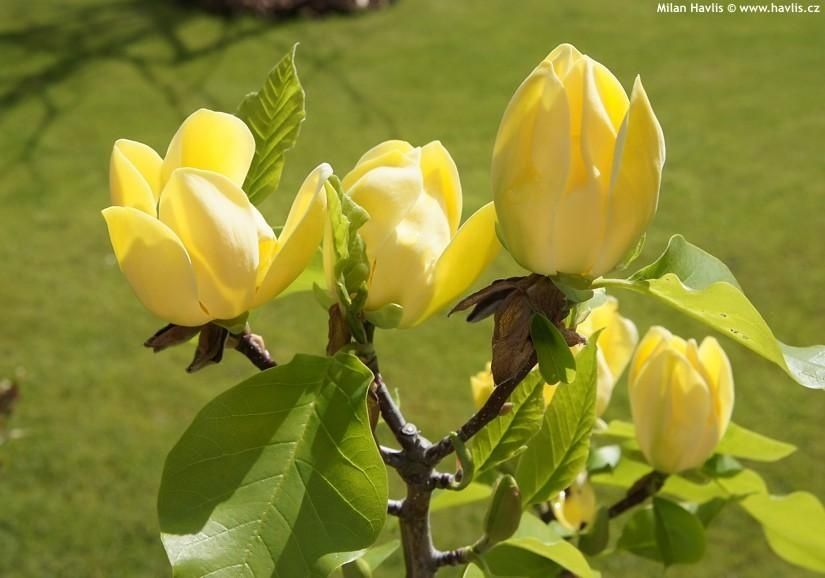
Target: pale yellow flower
(576, 167)
(191, 245)
(681, 397)
(419, 257)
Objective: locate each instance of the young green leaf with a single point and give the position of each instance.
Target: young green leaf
(276, 474)
(749, 445)
(794, 526)
(701, 286)
(559, 451)
(474, 492)
(680, 536)
(639, 536)
(532, 558)
(274, 115)
(507, 435)
(350, 264)
(556, 361)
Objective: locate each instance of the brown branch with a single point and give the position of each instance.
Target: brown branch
(645, 487)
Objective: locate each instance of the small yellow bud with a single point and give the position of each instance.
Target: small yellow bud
(681, 397)
(575, 507)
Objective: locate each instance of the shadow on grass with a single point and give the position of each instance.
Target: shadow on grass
(145, 35)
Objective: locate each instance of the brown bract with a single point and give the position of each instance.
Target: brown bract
(513, 302)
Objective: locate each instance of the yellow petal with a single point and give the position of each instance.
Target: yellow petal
(549, 393)
(655, 338)
(530, 167)
(387, 191)
(482, 385)
(156, 265)
(441, 181)
(300, 237)
(637, 173)
(134, 176)
(717, 365)
(386, 153)
(213, 141)
(402, 263)
(618, 338)
(470, 252)
(605, 381)
(605, 105)
(217, 224)
(267, 245)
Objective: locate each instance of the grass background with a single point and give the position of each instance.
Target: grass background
(740, 99)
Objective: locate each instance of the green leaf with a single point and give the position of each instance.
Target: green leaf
(474, 492)
(274, 115)
(721, 466)
(473, 571)
(595, 539)
(639, 537)
(507, 435)
(531, 558)
(386, 317)
(701, 286)
(738, 442)
(350, 264)
(749, 445)
(556, 361)
(680, 535)
(794, 526)
(275, 474)
(377, 555)
(559, 451)
(708, 511)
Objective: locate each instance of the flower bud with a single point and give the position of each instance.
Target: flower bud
(191, 244)
(575, 507)
(576, 167)
(681, 397)
(504, 514)
(419, 257)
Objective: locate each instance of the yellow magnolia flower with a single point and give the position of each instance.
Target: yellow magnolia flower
(576, 167)
(192, 246)
(681, 397)
(616, 343)
(419, 258)
(575, 507)
(482, 385)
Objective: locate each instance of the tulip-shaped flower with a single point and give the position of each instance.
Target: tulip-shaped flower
(575, 507)
(681, 397)
(576, 167)
(192, 246)
(614, 347)
(418, 257)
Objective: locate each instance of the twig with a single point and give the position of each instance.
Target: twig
(488, 412)
(641, 490)
(455, 557)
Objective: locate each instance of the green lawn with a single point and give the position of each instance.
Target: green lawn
(740, 99)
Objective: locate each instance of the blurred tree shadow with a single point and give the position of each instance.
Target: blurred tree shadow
(50, 52)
